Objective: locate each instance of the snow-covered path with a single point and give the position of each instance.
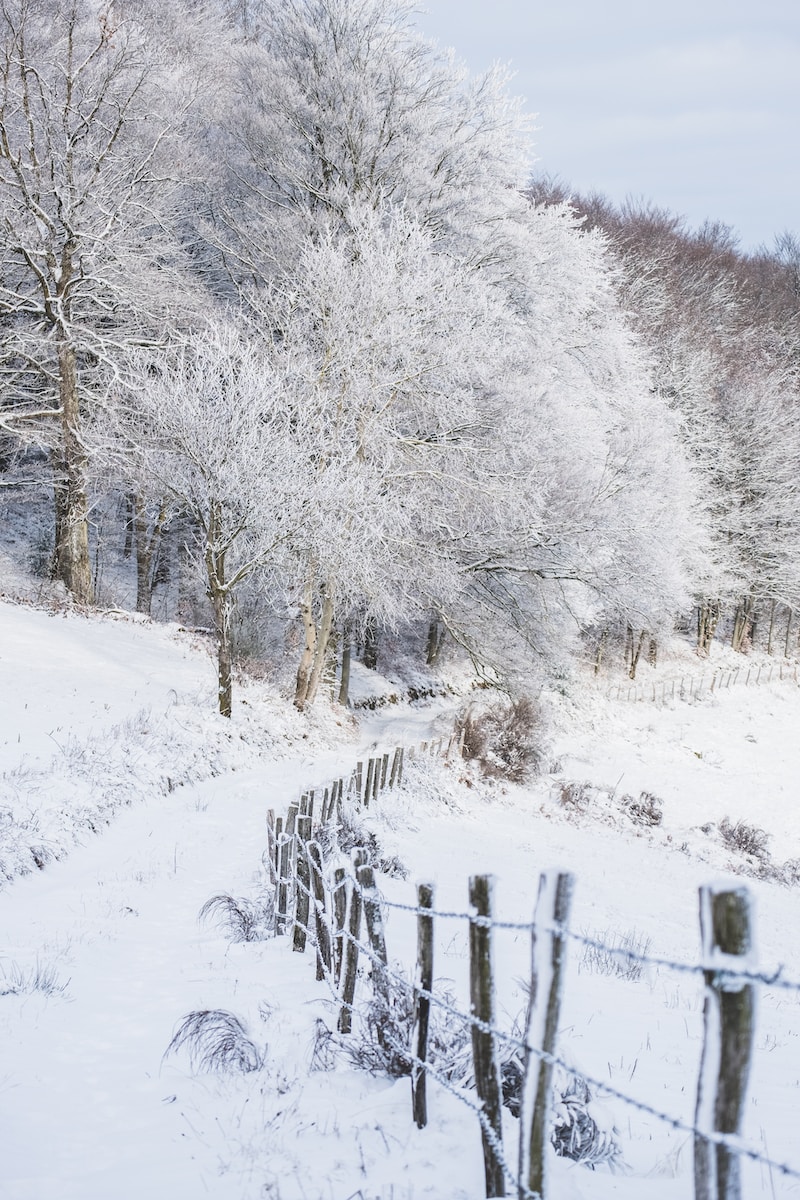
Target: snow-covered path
(91, 1109)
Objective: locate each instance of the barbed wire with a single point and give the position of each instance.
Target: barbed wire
(629, 955)
(518, 1044)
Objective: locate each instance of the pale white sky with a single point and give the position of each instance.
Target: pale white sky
(694, 104)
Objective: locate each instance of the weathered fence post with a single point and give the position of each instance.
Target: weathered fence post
(284, 844)
(548, 957)
(368, 785)
(373, 918)
(729, 1018)
(301, 904)
(271, 861)
(350, 965)
(323, 933)
(484, 1048)
(339, 918)
(419, 1040)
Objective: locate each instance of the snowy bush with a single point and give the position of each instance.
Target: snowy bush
(241, 919)
(216, 1042)
(506, 740)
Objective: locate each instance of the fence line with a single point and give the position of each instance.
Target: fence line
(689, 687)
(728, 1142)
(320, 898)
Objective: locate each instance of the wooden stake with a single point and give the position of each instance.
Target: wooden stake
(484, 1048)
(419, 1041)
(548, 957)
(729, 1018)
(301, 905)
(339, 919)
(324, 962)
(350, 968)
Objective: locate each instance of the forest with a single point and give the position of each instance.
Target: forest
(296, 344)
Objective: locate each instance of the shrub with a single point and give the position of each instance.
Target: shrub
(644, 811)
(748, 839)
(505, 740)
(574, 795)
(576, 1133)
(241, 919)
(381, 1041)
(215, 1041)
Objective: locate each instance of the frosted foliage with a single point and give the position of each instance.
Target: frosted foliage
(342, 99)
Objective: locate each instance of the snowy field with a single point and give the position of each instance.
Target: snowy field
(102, 954)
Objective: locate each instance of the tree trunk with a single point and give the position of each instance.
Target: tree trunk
(73, 566)
(743, 624)
(773, 606)
(370, 645)
(635, 653)
(344, 684)
(436, 634)
(222, 602)
(707, 620)
(323, 641)
(307, 657)
(147, 543)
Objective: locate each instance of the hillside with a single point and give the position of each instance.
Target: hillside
(103, 954)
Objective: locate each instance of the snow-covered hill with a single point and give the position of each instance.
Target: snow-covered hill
(101, 952)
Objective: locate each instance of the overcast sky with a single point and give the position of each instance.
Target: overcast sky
(693, 104)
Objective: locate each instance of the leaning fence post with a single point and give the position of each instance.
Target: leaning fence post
(270, 859)
(320, 924)
(729, 1029)
(548, 958)
(350, 965)
(419, 1103)
(339, 918)
(302, 890)
(484, 1048)
(373, 918)
(368, 785)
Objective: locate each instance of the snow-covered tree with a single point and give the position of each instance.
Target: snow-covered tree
(88, 125)
(205, 423)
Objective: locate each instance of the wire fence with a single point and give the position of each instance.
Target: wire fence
(691, 687)
(326, 898)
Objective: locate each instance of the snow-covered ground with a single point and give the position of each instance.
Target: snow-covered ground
(102, 954)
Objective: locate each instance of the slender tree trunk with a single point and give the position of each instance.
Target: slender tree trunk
(147, 542)
(344, 684)
(707, 620)
(370, 644)
(788, 634)
(636, 654)
(773, 606)
(743, 624)
(435, 639)
(307, 657)
(323, 641)
(222, 602)
(73, 566)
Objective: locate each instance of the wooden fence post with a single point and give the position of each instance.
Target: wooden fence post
(271, 861)
(419, 1040)
(548, 958)
(484, 1048)
(729, 1019)
(301, 904)
(323, 933)
(284, 841)
(368, 785)
(339, 918)
(350, 965)
(373, 918)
